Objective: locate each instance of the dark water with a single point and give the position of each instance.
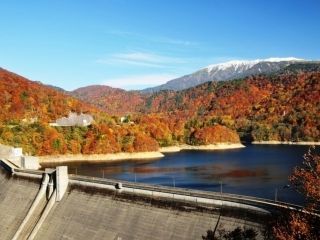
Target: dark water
(257, 170)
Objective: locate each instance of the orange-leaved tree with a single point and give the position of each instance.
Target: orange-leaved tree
(303, 224)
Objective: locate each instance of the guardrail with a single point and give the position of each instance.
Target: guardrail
(35, 172)
(255, 201)
(8, 165)
(242, 199)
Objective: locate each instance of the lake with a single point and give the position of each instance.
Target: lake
(257, 170)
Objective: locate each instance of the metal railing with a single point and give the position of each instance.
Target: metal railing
(249, 200)
(192, 192)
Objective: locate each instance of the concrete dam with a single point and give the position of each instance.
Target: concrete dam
(51, 204)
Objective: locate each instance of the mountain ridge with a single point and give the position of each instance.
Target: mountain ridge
(281, 106)
(225, 71)
(117, 101)
(24, 98)
(114, 101)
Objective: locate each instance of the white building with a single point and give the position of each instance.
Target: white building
(81, 120)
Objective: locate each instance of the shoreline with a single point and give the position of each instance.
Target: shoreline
(210, 147)
(284, 143)
(118, 157)
(96, 158)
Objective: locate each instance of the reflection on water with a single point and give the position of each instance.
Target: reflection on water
(254, 170)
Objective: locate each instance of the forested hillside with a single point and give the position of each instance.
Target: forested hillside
(24, 99)
(263, 107)
(283, 106)
(113, 101)
(28, 107)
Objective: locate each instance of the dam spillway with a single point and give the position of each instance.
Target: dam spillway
(16, 197)
(92, 212)
(86, 216)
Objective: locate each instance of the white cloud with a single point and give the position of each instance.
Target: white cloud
(144, 59)
(175, 41)
(154, 39)
(139, 81)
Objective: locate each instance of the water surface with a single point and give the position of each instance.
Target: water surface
(257, 170)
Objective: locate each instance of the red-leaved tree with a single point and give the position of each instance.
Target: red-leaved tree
(303, 224)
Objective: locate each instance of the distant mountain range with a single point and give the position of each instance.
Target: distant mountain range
(117, 101)
(226, 71)
(120, 102)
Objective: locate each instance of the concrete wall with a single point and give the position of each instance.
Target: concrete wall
(82, 215)
(16, 197)
(85, 216)
(29, 162)
(62, 181)
(195, 197)
(15, 156)
(92, 213)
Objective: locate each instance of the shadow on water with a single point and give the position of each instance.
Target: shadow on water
(257, 170)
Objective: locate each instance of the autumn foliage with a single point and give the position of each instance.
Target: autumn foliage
(22, 99)
(306, 178)
(215, 134)
(113, 101)
(303, 224)
(28, 108)
(282, 107)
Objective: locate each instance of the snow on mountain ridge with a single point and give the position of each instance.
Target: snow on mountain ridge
(246, 64)
(288, 59)
(227, 71)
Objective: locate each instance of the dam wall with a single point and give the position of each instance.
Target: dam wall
(93, 208)
(85, 216)
(16, 197)
(16, 157)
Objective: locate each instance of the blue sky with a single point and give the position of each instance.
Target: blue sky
(134, 44)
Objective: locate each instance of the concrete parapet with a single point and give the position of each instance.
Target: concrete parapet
(91, 184)
(16, 157)
(27, 175)
(62, 181)
(8, 165)
(29, 162)
(174, 196)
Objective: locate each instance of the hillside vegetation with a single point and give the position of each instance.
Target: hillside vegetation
(281, 107)
(113, 101)
(29, 107)
(25, 99)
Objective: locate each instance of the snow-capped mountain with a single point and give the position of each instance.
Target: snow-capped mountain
(227, 71)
